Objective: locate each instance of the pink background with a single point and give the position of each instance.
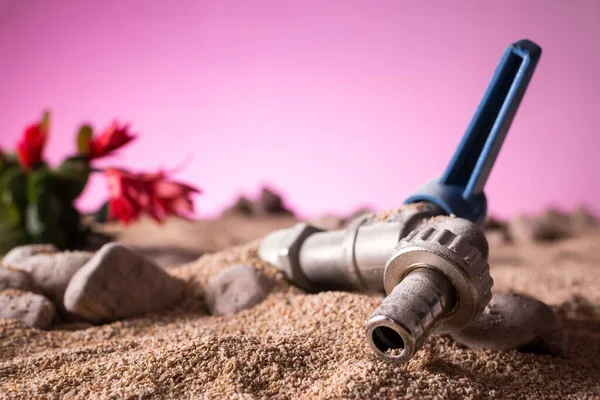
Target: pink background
(336, 104)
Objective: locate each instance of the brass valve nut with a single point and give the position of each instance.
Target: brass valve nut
(436, 281)
(453, 256)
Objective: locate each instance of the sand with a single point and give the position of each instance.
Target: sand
(297, 345)
(178, 241)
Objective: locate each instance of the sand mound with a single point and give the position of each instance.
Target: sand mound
(295, 345)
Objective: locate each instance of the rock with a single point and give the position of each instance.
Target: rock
(51, 272)
(497, 237)
(556, 223)
(119, 283)
(496, 231)
(328, 222)
(31, 309)
(582, 220)
(548, 226)
(15, 279)
(18, 254)
(492, 223)
(242, 207)
(578, 307)
(270, 203)
(514, 321)
(523, 228)
(237, 288)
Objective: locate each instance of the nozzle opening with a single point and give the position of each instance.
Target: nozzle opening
(386, 339)
(389, 340)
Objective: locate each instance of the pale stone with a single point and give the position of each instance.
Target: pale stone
(549, 225)
(15, 279)
(20, 253)
(515, 322)
(31, 309)
(119, 283)
(51, 272)
(237, 288)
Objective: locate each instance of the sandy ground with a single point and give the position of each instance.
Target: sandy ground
(179, 241)
(295, 345)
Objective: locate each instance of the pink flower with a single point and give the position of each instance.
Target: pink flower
(110, 140)
(133, 194)
(31, 145)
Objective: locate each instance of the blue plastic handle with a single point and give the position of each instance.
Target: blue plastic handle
(460, 189)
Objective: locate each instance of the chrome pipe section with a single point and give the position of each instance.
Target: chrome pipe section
(350, 259)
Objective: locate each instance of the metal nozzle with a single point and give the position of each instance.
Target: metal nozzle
(436, 281)
(402, 323)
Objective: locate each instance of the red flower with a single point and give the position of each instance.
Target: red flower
(31, 145)
(110, 140)
(133, 194)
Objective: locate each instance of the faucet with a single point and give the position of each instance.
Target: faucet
(430, 254)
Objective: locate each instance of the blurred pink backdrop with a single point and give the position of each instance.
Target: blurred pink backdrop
(335, 104)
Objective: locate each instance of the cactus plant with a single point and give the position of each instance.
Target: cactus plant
(37, 201)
